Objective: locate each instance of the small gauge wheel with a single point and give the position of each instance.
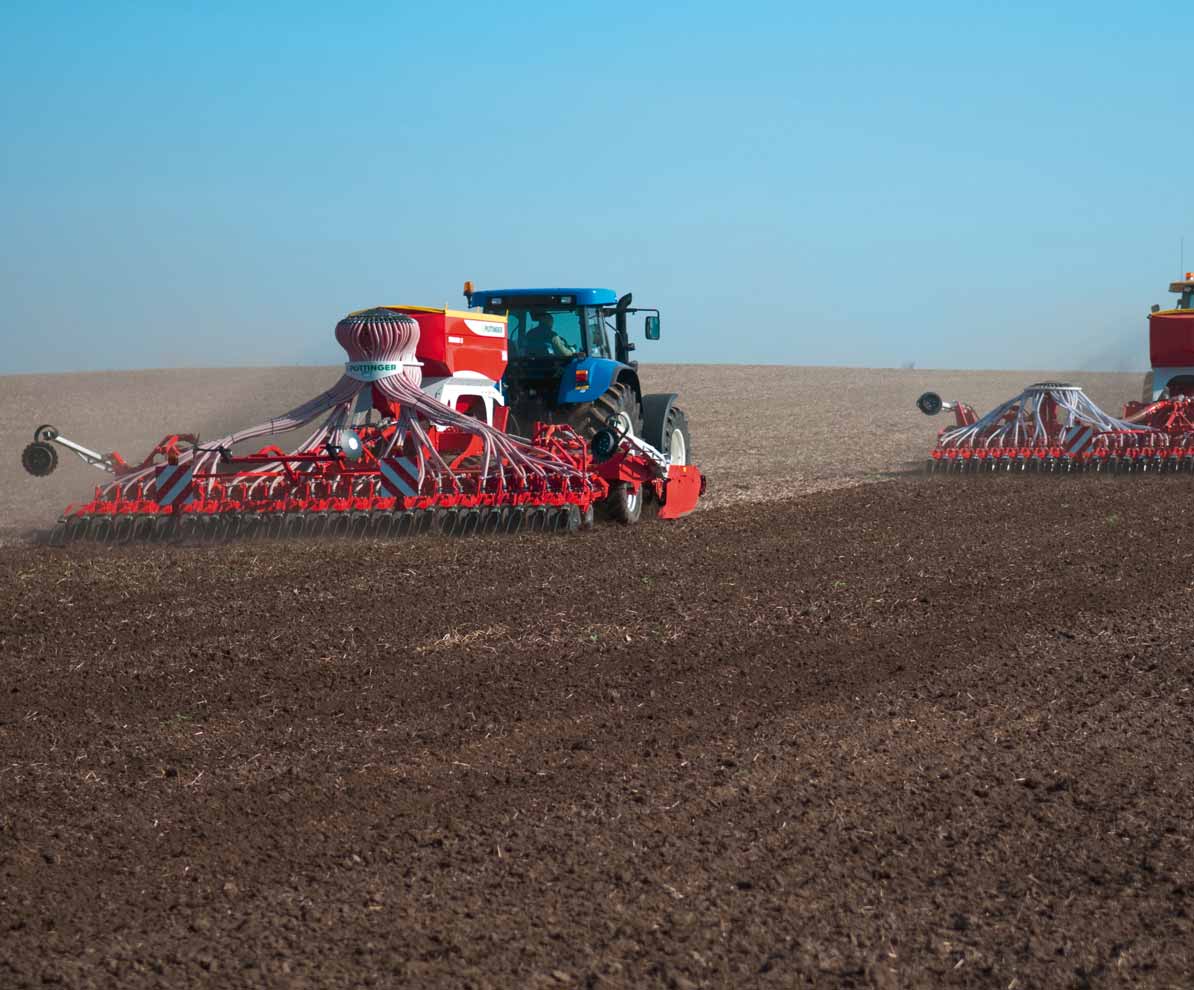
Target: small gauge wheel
(39, 459)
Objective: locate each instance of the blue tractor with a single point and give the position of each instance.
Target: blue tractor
(569, 362)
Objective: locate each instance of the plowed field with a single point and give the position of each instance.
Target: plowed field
(906, 734)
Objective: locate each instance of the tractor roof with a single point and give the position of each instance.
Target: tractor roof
(580, 297)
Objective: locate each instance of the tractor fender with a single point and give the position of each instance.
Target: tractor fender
(603, 372)
(655, 410)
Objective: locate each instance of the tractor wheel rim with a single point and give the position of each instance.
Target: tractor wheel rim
(677, 448)
(626, 425)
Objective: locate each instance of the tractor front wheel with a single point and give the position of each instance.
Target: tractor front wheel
(677, 442)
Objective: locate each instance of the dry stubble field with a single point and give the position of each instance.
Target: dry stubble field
(907, 733)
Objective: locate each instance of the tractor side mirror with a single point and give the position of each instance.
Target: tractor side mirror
(1154, 308)
(652, 328)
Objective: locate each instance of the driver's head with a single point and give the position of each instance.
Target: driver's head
(545, 320)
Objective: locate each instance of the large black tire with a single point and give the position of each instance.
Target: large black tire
(618, 401)
(1147, 389)
(621, 403)
(677, 441)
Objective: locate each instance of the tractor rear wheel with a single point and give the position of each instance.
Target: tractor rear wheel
(619, 403)
(619, 407)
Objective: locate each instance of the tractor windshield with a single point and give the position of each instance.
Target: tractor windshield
(1187, 300)
(544, 332)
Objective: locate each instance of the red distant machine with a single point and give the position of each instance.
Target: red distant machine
(1055, 427)
(1171, 344)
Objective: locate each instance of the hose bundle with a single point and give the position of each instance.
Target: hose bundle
(381, 345)
(1033, 417)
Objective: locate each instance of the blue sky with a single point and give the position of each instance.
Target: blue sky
(958, 185)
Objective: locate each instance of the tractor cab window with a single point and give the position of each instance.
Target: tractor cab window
(595, 332)
(1187, 300)
(544, 332)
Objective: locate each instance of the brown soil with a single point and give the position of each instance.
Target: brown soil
(911, 734)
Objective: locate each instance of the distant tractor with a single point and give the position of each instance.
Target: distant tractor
(569, 362)
(1171, 345)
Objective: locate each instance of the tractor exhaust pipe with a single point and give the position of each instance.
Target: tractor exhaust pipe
(622, 344)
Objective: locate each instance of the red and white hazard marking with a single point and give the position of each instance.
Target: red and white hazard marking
(402, 476)
(175, 484)
(1078, 438)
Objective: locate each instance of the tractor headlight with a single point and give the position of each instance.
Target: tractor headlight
(350, 445)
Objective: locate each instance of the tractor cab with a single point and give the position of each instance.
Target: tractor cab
(556, 325)
(1171, 345)
(1185, 290)
(566, 348)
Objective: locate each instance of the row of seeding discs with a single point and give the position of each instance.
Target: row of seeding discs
(223, 527)
(1063, 465)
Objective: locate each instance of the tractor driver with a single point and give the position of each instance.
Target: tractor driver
(543, 341)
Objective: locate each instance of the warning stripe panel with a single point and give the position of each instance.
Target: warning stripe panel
(1079, 438)
(174, 484)
(402, 476)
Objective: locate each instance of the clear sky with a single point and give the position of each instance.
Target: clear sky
(992, 185)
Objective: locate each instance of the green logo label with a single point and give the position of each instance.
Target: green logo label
(371, 371)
